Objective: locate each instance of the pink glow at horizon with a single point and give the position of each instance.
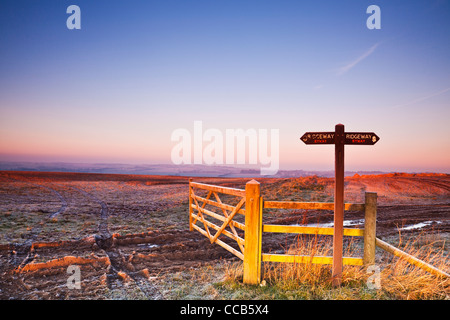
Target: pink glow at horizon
(136, 147)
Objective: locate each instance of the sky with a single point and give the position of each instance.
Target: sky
(115, 90)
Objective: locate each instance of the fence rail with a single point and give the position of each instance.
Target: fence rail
(412, 260)
(311, 205)
(290, 258)
(351, 232)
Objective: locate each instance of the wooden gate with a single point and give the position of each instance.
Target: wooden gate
(198, 213)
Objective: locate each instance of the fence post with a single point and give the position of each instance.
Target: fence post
(370, 223)
(190, 206)
(253, 233)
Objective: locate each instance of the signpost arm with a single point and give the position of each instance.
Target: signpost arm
(338, 205)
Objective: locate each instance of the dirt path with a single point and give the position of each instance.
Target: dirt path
(103, 224)
(61, 198)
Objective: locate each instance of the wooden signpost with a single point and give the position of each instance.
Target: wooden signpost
(339, 138)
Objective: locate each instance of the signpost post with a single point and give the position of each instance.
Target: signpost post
(339, 138)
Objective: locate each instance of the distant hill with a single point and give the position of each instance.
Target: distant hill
(165, 169)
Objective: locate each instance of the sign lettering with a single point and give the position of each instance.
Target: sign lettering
(358, 138)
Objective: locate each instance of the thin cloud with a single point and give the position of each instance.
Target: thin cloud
(320, 86)
(349, 66)
(422, 98)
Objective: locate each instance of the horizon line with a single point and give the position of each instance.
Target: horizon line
(241, 168)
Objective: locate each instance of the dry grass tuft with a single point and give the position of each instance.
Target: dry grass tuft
(393, 278)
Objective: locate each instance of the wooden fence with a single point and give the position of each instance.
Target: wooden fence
(249, 239)
(315, 230)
